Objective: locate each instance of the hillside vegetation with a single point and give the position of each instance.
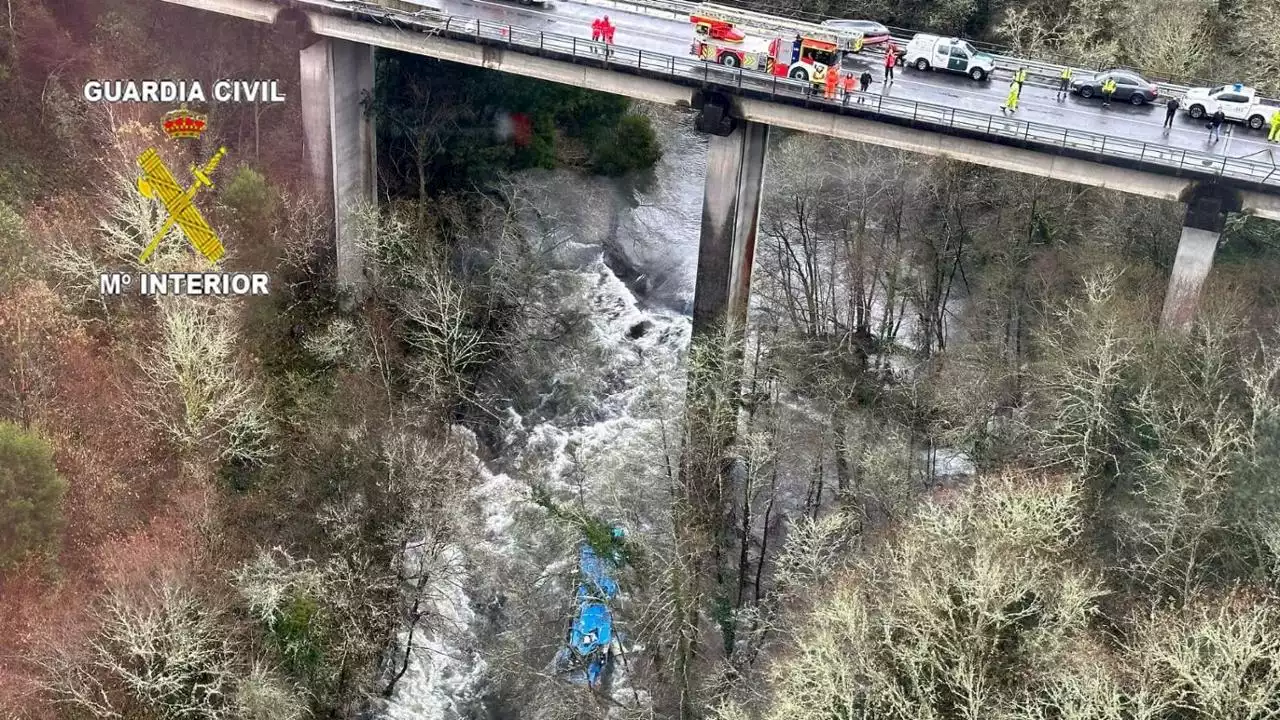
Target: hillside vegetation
(266, 508)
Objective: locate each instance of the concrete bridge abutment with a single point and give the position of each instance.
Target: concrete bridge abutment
(1207, 208)
(339, 142)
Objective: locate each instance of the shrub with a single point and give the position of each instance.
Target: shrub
(12, 245)
(30, 494)
(631, 145)
(250, 197)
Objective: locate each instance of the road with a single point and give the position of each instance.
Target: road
(1037, 104)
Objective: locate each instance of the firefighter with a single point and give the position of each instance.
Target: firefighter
(1274, 136)
(795, 49)
(1011, 102)
(1108, 89)
(606, 30)
(890, 59)
(597, 29)
(833, 77)
(847, 79)
(1064, 83)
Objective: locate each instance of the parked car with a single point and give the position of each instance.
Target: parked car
(873, 33)
(927, 52)
(1239, 103)
(1130, 86)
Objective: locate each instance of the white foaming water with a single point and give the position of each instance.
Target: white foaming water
(640, 349)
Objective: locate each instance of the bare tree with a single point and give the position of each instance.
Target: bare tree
(165, 652)
(196, 393)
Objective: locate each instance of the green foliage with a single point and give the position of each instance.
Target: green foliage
(448, 117)
(597, 533)
(297, 635)
(631, 145)
(30, 494)
(250, 197)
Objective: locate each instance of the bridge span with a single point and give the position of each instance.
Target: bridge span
(737, 107)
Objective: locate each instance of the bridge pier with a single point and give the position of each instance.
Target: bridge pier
(730, 216)
(726, 252)
(1207, 209)
(338, 137)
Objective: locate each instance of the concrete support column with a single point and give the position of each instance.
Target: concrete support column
(730, 216)
(1206, 216)
(703, 520)
(339, 141)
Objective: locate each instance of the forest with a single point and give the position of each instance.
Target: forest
(959, 474)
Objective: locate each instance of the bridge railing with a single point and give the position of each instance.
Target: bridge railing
(1046, 66)
(692, 71)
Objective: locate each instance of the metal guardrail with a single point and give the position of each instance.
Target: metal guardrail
(699, 73)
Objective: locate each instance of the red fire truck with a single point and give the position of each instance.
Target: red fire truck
(807, 56)
(716, 29)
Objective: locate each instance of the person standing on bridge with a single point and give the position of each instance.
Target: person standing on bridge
(609, 30)
(1274, 136)
(1064, 83)
(847, 83)
(830, 82)
(865, 81)
(1215, 125)
(1108, 89)
(597, 29)
(1020, 77)
(1011, 102)
(1170, 109)
(890, 59)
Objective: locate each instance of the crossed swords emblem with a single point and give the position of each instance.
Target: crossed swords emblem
(158, 183)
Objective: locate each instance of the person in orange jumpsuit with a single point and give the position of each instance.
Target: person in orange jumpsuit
(596, 29)
(848, 87)
(833, 76)
(607, 28)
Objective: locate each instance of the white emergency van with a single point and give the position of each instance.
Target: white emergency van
(1239, 103)
(932, 52)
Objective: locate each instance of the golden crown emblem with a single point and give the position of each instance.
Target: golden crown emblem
(182, 123)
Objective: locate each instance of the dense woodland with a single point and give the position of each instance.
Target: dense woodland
(231, 509)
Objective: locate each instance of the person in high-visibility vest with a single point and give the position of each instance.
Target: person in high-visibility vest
(1011, 102)
(847, 82)
(1064, 83)
(1108, 89)
(833, 77)
(857, 44)
(1275, 127)
(890, 59)
(596, 30)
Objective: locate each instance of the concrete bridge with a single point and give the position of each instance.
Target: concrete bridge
(736, 107)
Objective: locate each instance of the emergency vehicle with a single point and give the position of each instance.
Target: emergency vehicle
(804, 57)
(1239, 103)
(716, 29)
(794, 49)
